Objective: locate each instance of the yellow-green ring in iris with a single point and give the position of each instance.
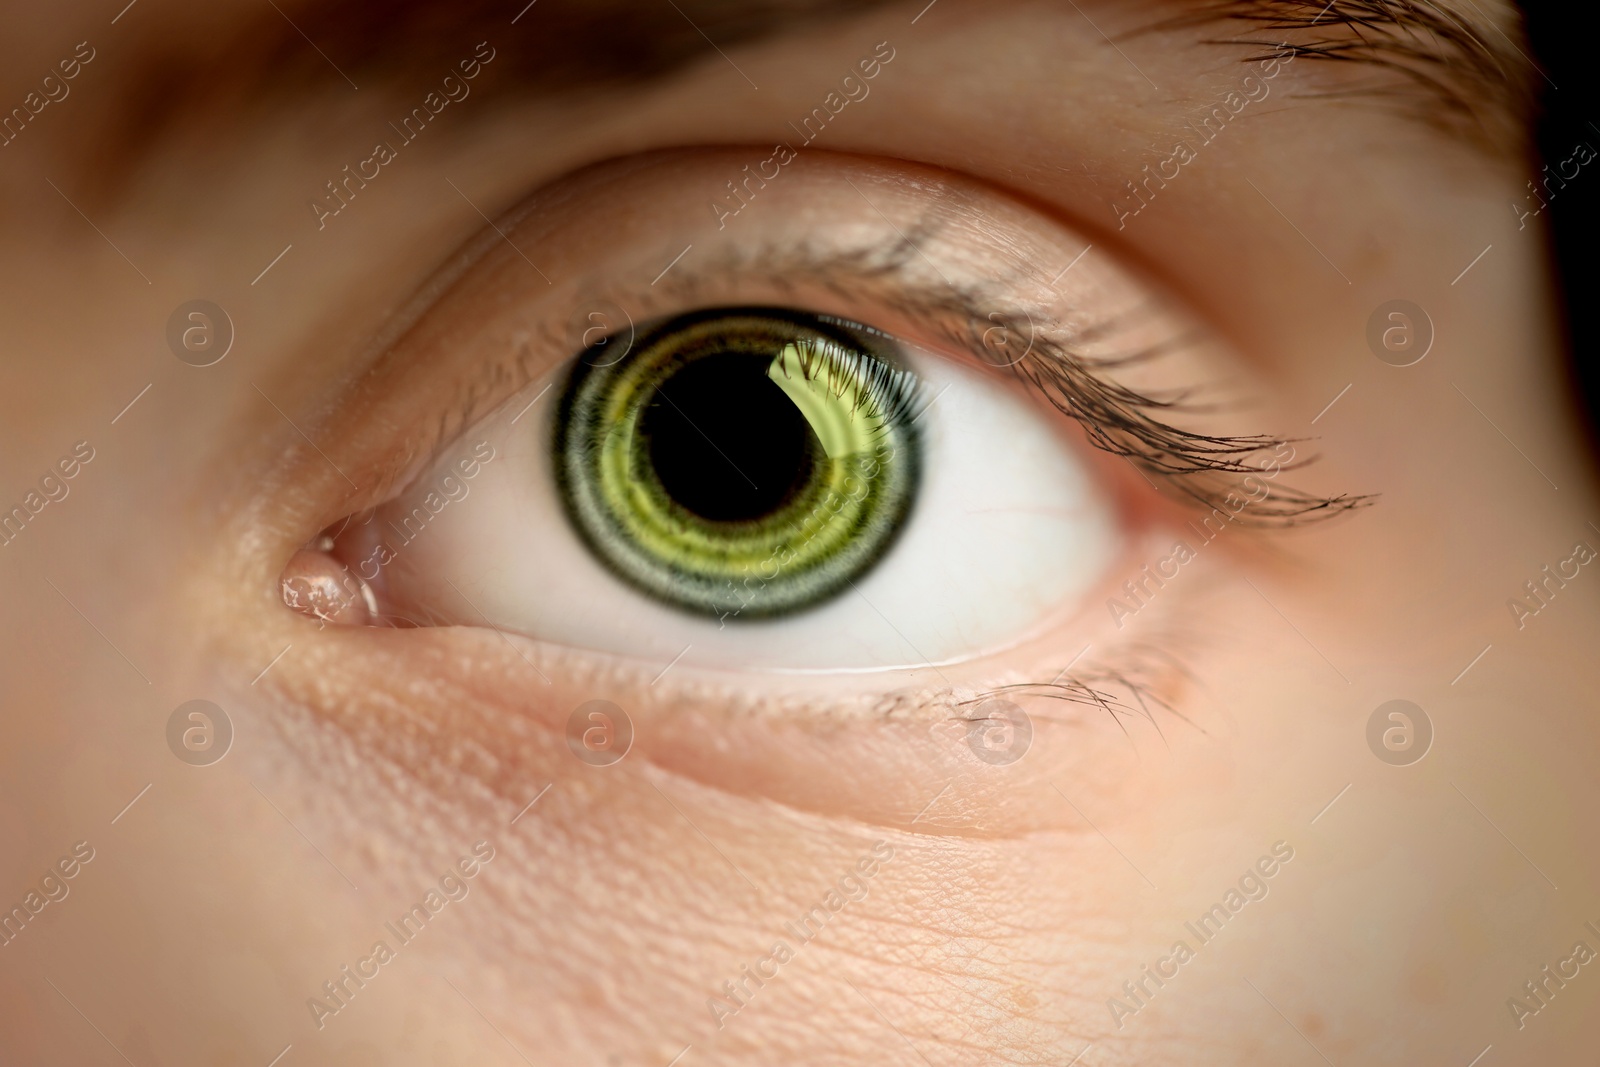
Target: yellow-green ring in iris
(853, 392)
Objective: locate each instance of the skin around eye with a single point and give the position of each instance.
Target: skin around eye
(950, 908)
(449, 441)
(985, 515)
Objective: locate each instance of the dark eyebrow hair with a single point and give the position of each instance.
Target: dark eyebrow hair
(285, 48)
(555, 45)
(1457, 71)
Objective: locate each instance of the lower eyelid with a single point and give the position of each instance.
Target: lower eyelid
(1138, 638)
(461, 713)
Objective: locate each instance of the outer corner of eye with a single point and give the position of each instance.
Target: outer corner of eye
(752, 487)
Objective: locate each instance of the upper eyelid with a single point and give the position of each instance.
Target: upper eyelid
(1200, 470)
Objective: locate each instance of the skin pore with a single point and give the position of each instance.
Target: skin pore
(970, 911)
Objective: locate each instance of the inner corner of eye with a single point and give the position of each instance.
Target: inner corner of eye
(320, 582)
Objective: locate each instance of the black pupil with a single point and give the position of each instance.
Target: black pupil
(725, 441)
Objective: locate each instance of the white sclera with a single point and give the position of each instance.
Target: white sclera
(1008, 527)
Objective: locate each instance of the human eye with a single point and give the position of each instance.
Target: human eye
(821, 444)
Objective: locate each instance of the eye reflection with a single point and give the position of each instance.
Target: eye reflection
(740, 463)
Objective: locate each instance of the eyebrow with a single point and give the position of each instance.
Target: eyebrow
(1456, 71)
(282, 50)
(586, 44)
(1451, 66)
(554, 47)
(571, 44)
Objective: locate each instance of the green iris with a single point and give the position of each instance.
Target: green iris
(741, 463)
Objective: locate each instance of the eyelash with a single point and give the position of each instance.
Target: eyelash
(1117, 419)
(1142, 680)
(1194, 468)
